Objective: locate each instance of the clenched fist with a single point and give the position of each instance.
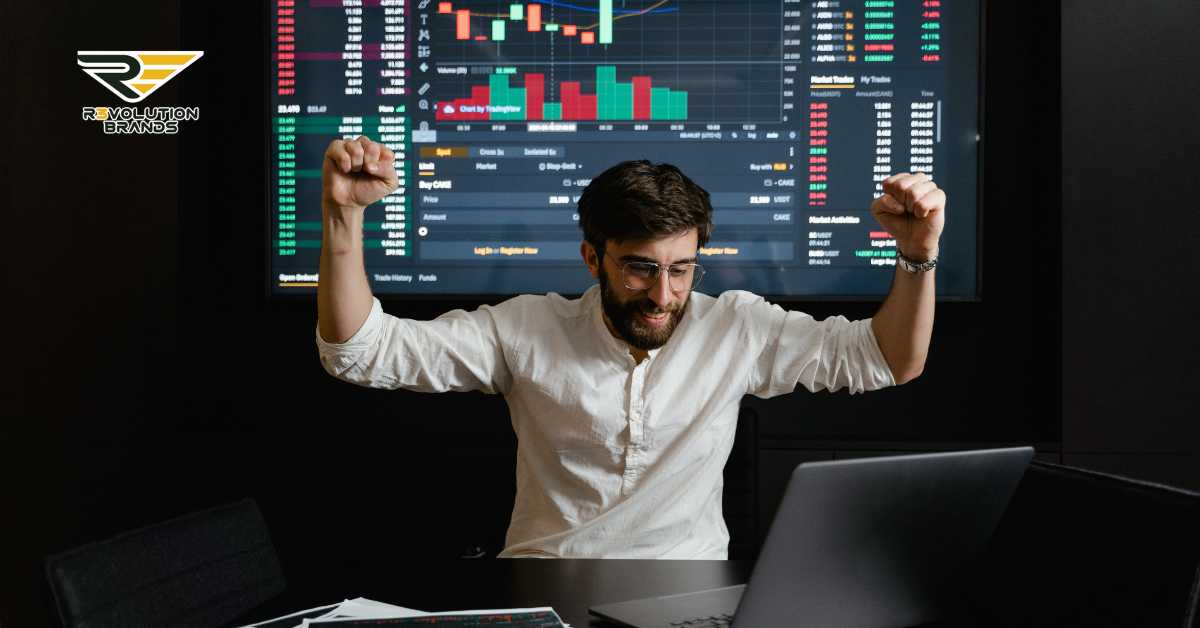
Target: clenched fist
(912, 209)
(356, 173)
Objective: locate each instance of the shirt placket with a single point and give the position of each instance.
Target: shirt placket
(636, 449)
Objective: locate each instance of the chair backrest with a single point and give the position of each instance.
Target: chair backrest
(1081, 548)
(201, 569)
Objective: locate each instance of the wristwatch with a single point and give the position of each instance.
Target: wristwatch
(914, 267)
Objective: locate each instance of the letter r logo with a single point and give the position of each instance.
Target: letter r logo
(135, 74)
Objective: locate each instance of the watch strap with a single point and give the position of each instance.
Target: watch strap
(914, 267)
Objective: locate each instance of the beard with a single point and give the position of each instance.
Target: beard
(624, 319)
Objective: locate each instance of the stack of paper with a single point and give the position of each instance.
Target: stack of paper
(364, 612)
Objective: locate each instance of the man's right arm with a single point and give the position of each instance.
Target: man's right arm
(355, 173)
(343, 294)
(457, 351)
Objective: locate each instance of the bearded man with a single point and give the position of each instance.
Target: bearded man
(625, 400)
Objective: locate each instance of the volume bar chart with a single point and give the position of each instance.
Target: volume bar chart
(637, 99)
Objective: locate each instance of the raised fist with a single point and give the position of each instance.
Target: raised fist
(913, 209)
(356, 173)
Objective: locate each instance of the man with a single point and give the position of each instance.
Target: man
(625, 400)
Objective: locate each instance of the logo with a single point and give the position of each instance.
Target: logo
(133, 75)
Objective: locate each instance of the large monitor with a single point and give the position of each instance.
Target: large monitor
(789, 112)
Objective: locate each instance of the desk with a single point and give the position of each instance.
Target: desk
(568, 585)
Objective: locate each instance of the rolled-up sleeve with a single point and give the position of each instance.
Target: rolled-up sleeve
(793, 349)
(457, 351)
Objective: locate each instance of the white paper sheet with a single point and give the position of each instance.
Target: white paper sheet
(330, 621)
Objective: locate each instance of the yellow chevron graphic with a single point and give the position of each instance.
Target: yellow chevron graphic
(135, 74)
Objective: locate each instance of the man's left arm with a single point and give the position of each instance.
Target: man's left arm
(912, 208)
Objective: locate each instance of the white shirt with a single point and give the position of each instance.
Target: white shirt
(615, 459)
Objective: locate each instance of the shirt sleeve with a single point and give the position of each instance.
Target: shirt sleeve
(457, 351)
(793, 349)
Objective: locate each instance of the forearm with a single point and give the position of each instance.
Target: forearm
(343, 294)
(904, 323)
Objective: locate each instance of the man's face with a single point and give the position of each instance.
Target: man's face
(643, 318)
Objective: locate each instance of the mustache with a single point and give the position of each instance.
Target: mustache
(647, 306)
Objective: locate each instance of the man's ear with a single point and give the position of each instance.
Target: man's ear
(590, 258)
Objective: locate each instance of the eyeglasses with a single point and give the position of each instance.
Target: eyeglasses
(637, 275)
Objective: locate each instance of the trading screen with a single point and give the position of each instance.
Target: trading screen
(790, 113)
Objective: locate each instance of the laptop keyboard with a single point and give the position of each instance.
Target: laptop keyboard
(714, 621)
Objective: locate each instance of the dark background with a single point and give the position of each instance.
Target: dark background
(147, 375)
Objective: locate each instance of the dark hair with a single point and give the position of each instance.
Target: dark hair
(638, 200)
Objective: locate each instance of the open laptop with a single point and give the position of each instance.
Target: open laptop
(863, 542)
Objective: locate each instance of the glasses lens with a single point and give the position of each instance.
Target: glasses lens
(640, 275)
(681, 277)
(695, 273)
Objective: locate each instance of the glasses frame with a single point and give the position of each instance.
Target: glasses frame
(696, 268)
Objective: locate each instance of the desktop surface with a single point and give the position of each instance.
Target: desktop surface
(570, 586)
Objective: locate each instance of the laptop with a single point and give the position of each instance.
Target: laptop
(868, 542)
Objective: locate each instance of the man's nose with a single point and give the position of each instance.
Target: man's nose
(661, 293)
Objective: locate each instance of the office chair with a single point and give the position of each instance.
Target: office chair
(1082, 548)
(201, 569)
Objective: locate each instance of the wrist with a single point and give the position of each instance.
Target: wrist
(341, 231)
(918, 255)
(341, 212)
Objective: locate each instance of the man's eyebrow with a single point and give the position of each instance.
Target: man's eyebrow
(642, 258)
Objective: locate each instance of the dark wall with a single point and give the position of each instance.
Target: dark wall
(148, 375)
(1131, 225)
